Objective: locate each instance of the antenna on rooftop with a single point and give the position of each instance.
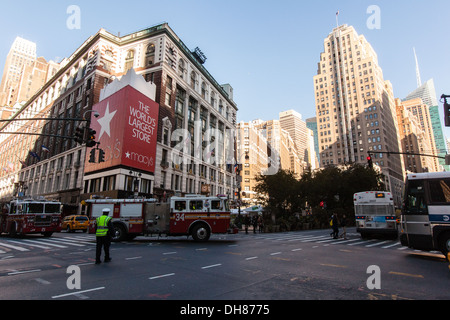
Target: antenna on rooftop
(419, 81)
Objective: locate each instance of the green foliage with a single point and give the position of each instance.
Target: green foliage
(285, 196)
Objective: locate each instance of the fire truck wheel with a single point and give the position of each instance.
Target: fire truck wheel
(201, 232)
(119, 233)
(13, 230)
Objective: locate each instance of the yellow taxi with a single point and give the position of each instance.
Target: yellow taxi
(75, 222)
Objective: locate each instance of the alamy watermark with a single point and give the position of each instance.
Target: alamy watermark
(374, 20)
(374, 280)
(73, 22)
(74, 280)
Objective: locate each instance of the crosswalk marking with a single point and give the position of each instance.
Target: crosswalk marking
(31, 244)
(59, 241)
(27, 244)
(13, 247)
(376, 244)
(392, 245)
(325, 240)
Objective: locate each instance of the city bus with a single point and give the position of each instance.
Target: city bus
(375, 214)
(425, 219)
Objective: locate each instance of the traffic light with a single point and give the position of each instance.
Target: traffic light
(92, 156)
(79, 135)
(101, 156)
(446, 110)
(370, 162)
(90, 142)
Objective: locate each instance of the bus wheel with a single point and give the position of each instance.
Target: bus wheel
(201, 232)
(444, 243)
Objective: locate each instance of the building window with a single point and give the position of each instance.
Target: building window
(129, 60)
(150, 55)
(109, 183)
(193, 80)
(181, 68)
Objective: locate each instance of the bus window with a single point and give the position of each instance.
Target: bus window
(439, 190)
(180, 205)
(195, 205)
(415, 198)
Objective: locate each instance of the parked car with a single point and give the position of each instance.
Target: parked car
(75, 222)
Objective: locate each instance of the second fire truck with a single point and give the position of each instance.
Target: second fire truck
(192, 215)
(30, 216)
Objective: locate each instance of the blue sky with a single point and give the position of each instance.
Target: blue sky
(267, 50)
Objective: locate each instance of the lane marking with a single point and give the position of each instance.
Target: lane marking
(77, 293)
(251, 258)
(42, 281)
(406, 274)
(21, 272)
(212, 266)
(333, 265)
(162, 276)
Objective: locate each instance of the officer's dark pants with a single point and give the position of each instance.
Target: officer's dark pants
(104, 242)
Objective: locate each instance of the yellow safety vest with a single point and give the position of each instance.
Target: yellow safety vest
(102, 226)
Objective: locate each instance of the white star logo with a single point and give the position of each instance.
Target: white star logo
(127, 154)
(105, 122)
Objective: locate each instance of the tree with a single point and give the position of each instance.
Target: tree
(279, 192)
(284, 195)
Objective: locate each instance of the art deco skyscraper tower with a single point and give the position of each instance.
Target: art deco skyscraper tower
(355, 106)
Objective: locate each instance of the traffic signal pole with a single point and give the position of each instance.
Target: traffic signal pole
(446, 110)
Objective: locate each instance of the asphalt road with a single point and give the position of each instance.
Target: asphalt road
(306, 265)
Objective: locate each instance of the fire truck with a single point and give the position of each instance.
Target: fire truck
(192, 215)
(28, 216)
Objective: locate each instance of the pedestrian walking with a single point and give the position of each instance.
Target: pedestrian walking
(247, 223)
(334, 223)
(260, 224)
(344, 227)
(254, 223)
(103, 232)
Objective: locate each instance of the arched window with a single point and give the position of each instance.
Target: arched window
(129, 60)
(181, 68)
(203, 90)
(150, 49)
(150, 55)
(193, 80)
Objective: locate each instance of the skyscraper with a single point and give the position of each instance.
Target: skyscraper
(292, 122)
(21, 54)
(355, 106)
(427, 93)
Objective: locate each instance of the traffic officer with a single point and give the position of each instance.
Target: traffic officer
(103, 231)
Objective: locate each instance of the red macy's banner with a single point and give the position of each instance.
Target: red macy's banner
(126, 129)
